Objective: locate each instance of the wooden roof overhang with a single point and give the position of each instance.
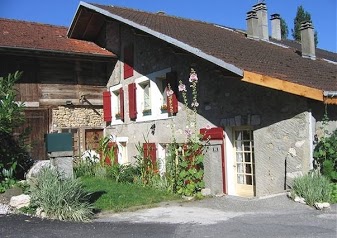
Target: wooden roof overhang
(289, 87)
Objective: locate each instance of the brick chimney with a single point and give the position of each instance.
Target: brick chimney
(276, 26)
(308, 40)
(252, 25)
(261, 12)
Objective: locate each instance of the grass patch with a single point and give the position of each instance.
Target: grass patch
(111, 196)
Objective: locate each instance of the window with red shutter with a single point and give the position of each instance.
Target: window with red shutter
(150, 153)
(121, 103)
(171, 79)
(128, 61)
(132, 101)
(107, 106)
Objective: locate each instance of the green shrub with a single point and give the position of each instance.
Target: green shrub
(60, 198)
(325, 155)
(84, 168)
(313, 187)
(333, 192)
(14, 159)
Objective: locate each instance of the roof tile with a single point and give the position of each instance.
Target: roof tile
(235, 48)
(43, 37)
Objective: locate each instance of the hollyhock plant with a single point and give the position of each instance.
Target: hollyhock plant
(185, 160)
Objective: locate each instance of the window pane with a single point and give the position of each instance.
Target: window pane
(247, 157)
(240, 168)
(249, 180)
(240, 179)
(248, 168)
(239, 157)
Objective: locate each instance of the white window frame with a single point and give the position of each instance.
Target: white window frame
(115, 104)
(155, 94)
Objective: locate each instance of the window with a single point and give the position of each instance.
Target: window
(117, 103)
(145, 96)
(151, 98)
(244, 154)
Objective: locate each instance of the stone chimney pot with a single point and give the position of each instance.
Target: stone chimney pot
(308, 40)
(276, 26)
(261, 12)
(252, 25)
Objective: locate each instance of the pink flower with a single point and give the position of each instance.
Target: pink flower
(208, 127)
(182, 87)
(169, 92)
(193, 77)
(195, 104)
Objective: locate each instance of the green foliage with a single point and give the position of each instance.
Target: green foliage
(184, 166)
(333, 192)
(15, 160)
(122, 173)
(144, 166)
(84, 167)
(284, 29)
(313, 187)
(301, 16)
(109, 195)
(325, 155)
(60, 198)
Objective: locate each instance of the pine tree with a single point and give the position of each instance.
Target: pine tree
(284, 29)
(301, 16)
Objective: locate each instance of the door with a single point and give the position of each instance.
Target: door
(37, 121)
(244, 162)
(92, 138)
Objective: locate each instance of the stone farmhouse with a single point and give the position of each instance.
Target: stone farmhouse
(264, 98)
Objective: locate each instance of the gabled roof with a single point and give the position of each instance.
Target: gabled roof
(228, 48)
(22, 35)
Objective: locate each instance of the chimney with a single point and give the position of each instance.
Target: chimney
(276, 26)
(261, 12)
(252, 25)
(308, 40)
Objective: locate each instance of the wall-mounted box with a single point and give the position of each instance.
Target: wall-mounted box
(59, 142)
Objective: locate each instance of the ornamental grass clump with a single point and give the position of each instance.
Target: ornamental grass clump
(313, 187)
(60, 198)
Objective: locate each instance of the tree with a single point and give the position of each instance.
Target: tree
(284, 29)
(14, 159)
(301, 16)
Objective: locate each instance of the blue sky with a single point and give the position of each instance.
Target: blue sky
(228, 13)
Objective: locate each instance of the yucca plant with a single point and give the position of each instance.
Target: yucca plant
(60, 198)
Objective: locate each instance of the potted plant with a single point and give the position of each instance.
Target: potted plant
(146, 112)
(118, 116)
(163, 108)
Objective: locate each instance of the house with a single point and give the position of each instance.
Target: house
(267, 95)
(264, 98)
(62, 83)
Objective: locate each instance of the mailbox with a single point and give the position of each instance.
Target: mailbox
(59, 142)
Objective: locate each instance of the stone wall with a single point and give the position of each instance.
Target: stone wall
(67, 117)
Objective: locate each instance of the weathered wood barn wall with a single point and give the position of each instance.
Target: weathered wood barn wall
(62, 93)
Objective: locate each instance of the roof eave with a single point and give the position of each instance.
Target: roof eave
(230, 67)
(101, 56)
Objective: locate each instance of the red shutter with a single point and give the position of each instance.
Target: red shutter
(132, 101)
(171, 79)
(107, 106)
(128, 61)
(107, 159)
(121, 103)
(150, 153)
